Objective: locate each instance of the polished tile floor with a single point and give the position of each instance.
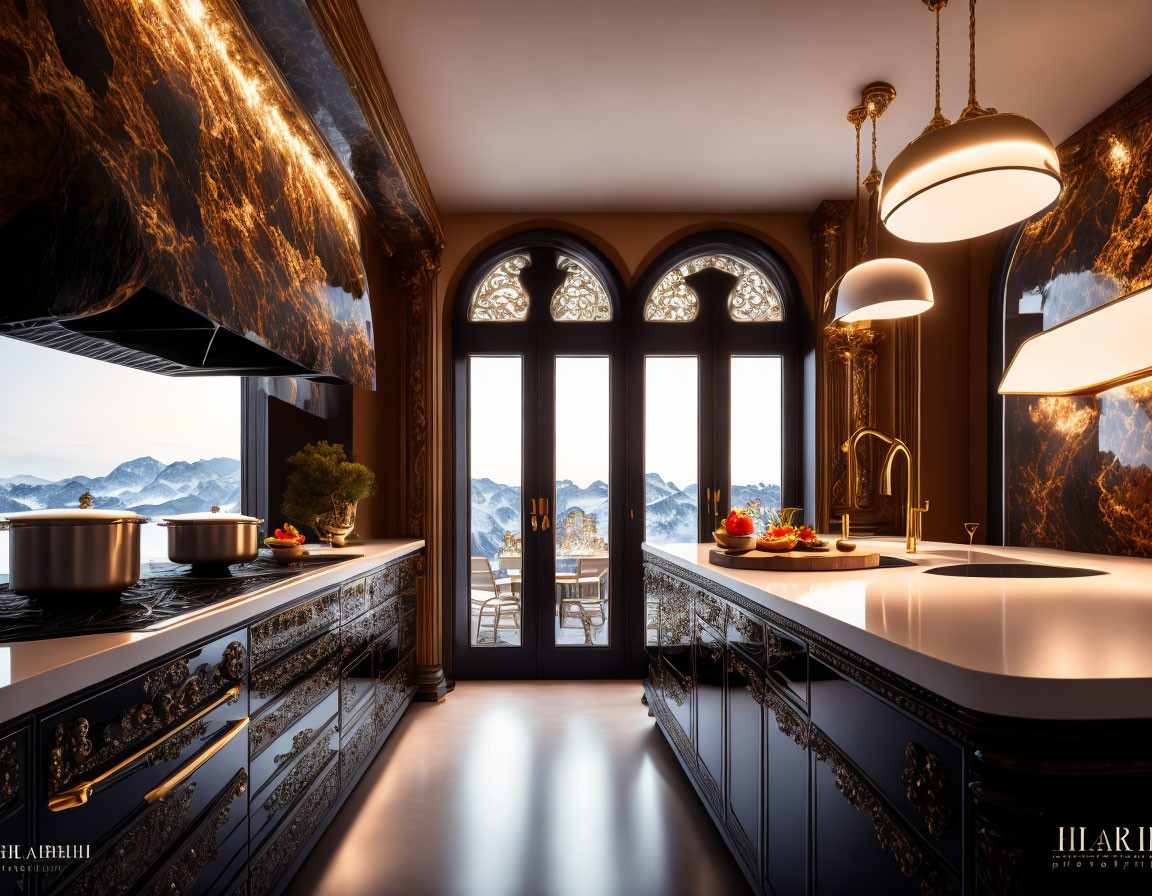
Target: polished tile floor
(537, 788)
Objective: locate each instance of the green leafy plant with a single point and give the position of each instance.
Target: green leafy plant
(321, 473)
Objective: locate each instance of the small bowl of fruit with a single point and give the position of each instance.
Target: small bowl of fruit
(778, 539)
(737, 532)
(287, 544)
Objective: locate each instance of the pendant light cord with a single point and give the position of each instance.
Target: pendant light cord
(856, 116)
(973, 109)
(938, 119)
(938, 112)
(971, 53)
(862, 237)
(873, 199)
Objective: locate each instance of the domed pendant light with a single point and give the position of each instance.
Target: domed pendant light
(880, 288)
(956, 181)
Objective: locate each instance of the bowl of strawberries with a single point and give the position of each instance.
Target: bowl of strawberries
(737, 532)
(287, 544)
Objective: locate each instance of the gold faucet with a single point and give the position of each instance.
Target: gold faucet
(895, 446)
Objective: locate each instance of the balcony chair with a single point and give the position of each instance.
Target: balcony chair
(492, 596)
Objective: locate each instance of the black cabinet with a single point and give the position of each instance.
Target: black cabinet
(15, 802)
(744, 697)
(141, 770)
(913, 769)
(708, 648)
(817, 785)
(786, 812)
(216, 769)
(676, 678)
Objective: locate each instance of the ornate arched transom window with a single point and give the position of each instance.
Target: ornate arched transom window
(500, 296)
(581, 297)
(753, 298)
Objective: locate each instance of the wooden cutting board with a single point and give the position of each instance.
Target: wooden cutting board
(796, 561)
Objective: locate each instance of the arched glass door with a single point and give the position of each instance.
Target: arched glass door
(714, 356)
(540, 462)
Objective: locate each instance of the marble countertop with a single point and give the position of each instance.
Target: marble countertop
(35, 673)
(1042, 648)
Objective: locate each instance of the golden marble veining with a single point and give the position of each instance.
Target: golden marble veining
(1078, 471)
(191, 169)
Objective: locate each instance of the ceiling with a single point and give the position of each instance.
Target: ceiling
(718, 105)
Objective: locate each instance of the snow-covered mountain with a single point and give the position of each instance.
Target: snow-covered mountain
(23, 479)
(669, 511)
(143, 484)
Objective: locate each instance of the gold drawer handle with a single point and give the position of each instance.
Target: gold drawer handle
(78, 794)
(188, 768)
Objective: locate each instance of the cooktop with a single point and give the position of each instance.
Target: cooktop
(165, 591)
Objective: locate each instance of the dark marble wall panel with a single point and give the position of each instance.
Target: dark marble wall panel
(152, 142)
(298, 45)
(1078, 471)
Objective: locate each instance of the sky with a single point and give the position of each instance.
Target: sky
(66, 415)
(670, 419)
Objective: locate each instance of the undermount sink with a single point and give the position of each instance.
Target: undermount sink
(1013, 571)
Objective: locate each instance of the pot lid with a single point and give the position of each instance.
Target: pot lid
(73, 514)
(210, 516)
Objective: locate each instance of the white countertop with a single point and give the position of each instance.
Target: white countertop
(34, 673)
(1074, 648)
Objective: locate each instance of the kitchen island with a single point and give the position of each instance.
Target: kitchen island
(206, 751)
(923, 732)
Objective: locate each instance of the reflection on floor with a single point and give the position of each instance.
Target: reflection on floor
(536, 788)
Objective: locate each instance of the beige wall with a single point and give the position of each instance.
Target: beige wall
(378, 418)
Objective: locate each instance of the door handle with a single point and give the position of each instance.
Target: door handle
(78, 794)
(535, 522)
(543, 513)
(189, 768)
(716, 510)
(708, 507)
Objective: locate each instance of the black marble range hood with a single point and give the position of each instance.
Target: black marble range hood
(165, 202)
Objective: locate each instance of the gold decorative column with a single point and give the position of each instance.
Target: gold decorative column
(828, 227)
(851, 358)
(424, 518)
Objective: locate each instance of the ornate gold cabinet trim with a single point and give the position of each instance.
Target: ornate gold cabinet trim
(303, 773)
(891, 833)
(283, 631)
(174, 693)
(9, 773)
(926, 786)
(119, 862)
(273, 679)
(178, 875)
(301, 698)
(287, 840)
(753, 680)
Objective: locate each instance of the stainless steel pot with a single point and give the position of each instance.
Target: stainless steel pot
(73, 550)
(211, 539)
